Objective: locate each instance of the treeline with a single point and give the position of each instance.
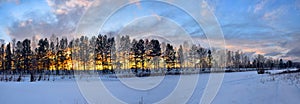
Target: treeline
(60, 56)
(239, 59)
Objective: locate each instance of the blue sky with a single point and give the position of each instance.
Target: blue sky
(270, 27)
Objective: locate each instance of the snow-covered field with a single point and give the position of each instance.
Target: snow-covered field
(236, 88)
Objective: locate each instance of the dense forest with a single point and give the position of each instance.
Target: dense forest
(108, 54)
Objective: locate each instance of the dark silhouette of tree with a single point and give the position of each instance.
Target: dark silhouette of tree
(237, 58)
(289, 64)
(70, 46)
(141, 51)
(52, 58)
(112, 50)
(13, 54)
(105, 52)
(170, 57)
(124, 50)
(201, 57)
(269, 63)
(13, 45)
(229, 59)
(101, 53)
(26, 53)
(148, 58)
(254, 63)
(210, 58)
(193, 55)
(18, 56)
(152, 51)
(75, 54)
(8, 57)
(156, 52)
(63, 54)
(180, 56)
(281, 64)
(92, 54)
(83, 51)
(42, 49)
(246, 61)
(260, 61)
(135, 54)
(2, 57)
(34, 60)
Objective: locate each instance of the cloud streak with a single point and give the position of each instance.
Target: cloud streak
(275, 14)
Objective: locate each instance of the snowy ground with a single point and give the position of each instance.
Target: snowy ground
(236, 88)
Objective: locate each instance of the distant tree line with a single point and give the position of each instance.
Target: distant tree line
(62, 56)
(239, 59)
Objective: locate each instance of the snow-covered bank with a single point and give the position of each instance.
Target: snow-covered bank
(240, 87)
(282, 70)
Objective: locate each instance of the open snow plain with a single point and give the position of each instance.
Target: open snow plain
(236, 88)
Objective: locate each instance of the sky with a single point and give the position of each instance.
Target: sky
(269, 27)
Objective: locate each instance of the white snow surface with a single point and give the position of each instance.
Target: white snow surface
(237, 88)
(281, 70)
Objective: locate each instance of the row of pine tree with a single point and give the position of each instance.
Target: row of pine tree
(121, 52)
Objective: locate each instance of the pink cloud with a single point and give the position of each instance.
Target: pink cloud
(275, 13)
(78, 3)
(61, 11)
(64, 7)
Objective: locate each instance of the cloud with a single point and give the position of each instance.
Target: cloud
(64, 7)
(162, 29)
(257, 31)
(273, 54)
(204, 5)
(78, 3)
(260, 6)
(291, 44)
(294, 52)
(157, 16)
(276, 46)
(61, 11)
(61, 20)
(267, 30)
(275, 14)
(25, 23)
